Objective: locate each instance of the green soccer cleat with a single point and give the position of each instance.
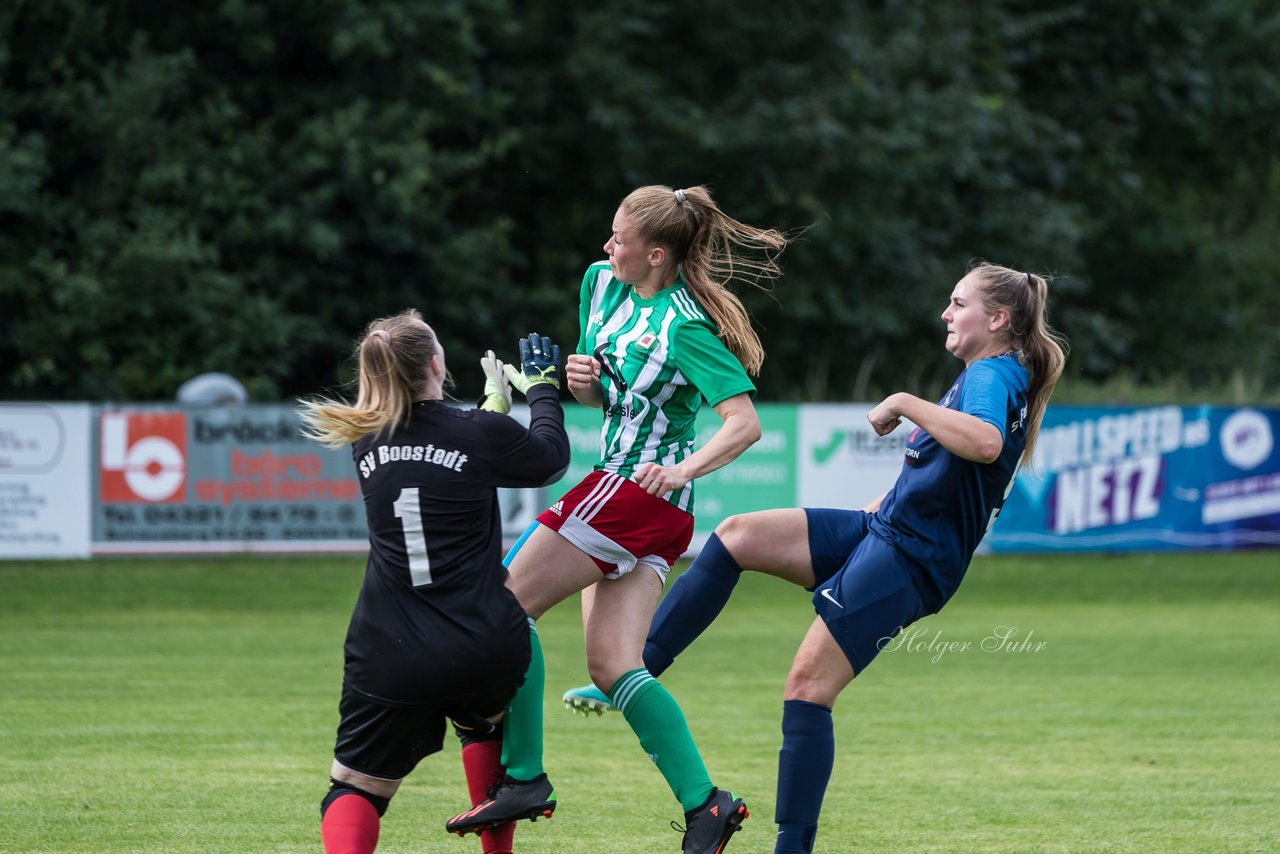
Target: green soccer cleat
(588, 699)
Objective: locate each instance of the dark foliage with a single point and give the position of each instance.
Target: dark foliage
(242, 186)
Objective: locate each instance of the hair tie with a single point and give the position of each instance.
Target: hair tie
(381, 333)
(680, 199)
(1030, 282)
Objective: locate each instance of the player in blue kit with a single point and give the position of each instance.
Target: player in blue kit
(875, 571)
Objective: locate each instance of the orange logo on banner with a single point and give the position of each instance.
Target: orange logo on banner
(143, 457)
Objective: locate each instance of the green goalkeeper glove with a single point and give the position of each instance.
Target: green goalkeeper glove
(539, 363)
(497, 390)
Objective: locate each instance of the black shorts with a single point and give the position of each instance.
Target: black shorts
(388, 742)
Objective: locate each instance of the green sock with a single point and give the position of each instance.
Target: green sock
(522, 727)
(656, 718)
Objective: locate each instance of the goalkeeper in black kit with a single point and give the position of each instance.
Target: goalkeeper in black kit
(435, 635)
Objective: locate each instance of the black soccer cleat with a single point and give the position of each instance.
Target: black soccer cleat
(508, 799)
(710, 825)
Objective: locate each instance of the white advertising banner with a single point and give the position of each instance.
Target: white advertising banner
(842, 462)
(229, 479)
(44, 480)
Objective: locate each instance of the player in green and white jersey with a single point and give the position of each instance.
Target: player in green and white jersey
(658, 357)
(660, 333)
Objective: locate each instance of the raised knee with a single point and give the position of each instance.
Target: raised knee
(803, 684)
(733, 534)
(604, 674)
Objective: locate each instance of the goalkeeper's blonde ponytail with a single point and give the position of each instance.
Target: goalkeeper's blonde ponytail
(393, 353)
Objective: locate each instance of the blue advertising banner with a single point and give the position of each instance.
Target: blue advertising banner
(1153, 478)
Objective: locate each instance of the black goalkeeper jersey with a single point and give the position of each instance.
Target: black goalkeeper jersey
(434, 619)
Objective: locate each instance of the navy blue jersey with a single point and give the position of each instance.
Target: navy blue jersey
(941, 505)
(435, 619)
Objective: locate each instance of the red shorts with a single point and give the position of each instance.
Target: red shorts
(617, 524)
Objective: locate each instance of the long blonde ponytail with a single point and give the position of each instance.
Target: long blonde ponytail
(393, 355)
(1043, 350)
(712, 249)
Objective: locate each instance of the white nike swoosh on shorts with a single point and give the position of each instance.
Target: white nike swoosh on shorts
(826, 594)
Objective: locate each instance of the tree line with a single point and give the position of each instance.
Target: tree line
(241, 186)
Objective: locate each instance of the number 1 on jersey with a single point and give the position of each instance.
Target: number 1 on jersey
(409, 512)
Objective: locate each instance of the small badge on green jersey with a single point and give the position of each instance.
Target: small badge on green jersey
(647, 341)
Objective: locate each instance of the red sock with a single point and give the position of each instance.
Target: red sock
(350, 826)
(482, 761)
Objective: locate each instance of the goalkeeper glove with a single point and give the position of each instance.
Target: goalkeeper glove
(539, 363)
(497, 389)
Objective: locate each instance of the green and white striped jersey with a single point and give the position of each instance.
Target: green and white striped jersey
(660, 357)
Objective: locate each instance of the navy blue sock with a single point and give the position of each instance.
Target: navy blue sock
(695, 599)
(804, 767)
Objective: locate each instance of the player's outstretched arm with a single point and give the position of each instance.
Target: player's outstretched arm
(539, 455)
(739, 430)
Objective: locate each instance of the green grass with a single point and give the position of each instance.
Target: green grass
(189, 706)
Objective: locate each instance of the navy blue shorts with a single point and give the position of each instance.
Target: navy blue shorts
(864, 592)
(389, 741)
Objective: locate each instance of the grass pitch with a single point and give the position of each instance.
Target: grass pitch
(1057, 704)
